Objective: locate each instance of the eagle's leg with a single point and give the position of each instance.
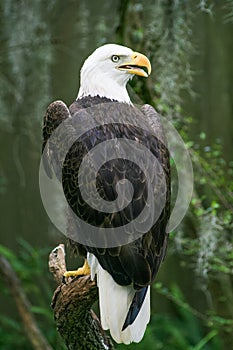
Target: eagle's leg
(84, 270)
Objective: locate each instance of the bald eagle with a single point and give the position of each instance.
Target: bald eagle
(125, 271)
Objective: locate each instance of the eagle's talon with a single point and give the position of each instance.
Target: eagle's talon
(64, 279)
(82, 271)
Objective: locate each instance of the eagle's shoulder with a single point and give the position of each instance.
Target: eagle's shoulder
(55, 114)
(155, 121)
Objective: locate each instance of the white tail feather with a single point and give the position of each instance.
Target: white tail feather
(114, 301)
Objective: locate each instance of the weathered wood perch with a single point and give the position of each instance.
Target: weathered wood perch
(72, 301)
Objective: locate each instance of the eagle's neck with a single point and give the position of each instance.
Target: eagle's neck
(103, 86)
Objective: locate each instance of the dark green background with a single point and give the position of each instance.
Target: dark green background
(42, 47)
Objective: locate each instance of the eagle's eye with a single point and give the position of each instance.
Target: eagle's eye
(115, 58)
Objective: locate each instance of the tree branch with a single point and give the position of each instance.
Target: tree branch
(32, 331)
(72, 301)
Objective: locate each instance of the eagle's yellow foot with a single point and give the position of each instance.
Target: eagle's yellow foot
(84, 270)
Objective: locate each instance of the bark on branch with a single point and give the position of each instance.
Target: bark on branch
(72, 301)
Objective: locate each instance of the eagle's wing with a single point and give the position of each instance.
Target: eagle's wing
(56, 113)
(136, 262)
(160, 236)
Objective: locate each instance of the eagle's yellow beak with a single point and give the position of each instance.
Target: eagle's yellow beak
(139, 65)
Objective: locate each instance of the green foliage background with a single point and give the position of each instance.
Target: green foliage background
(193, 316)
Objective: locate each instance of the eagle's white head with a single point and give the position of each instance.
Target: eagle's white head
(107, 70)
